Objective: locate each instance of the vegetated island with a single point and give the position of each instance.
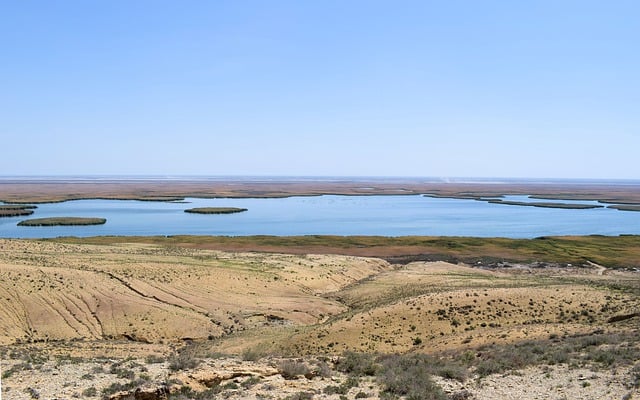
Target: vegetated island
(62, 221)
(626, 207)
(16, 210)
(544, 204)
(215, 210)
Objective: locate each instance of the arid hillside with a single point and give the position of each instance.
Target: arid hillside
(149, 294)
(178, 321)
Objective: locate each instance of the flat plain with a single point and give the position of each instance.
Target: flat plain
(53, 190)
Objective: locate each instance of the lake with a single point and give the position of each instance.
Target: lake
(329, 215)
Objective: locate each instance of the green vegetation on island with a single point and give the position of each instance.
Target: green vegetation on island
(15, 213)
(626, 207)
(495, 199)
(215, 210)
(62, 221)
(545, 204)
(16, 210)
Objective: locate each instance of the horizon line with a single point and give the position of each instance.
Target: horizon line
(254, 177)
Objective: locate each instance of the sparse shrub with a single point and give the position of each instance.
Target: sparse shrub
(90, 392)
(635, 376)
(120, 371)
(252, 354)
(98, 369)
(291, 369)
(409, 376)
(606, 357)
(461, 395)
(231, 386)
(344, 388)
(120, 387)
(250, 382)
(359, 364)
(351, 382)
(25, 366)
(334, 389)
(300, 396)
(154, 359)
(323, 370)
(34, 394)
(490, 366)
(558, 356)
(451, 370)
(185, 358)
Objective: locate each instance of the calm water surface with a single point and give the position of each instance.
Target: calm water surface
(329, 215)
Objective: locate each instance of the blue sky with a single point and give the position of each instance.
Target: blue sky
(547, 89)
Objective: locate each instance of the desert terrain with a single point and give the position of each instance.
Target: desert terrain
(190, 318)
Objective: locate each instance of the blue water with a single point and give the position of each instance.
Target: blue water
(329, 215)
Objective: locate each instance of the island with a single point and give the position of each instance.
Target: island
(574, 206)
(62, 221)
(16, 210)
(215, 210)
(626, 207)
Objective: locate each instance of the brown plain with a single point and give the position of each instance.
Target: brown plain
(16, 191)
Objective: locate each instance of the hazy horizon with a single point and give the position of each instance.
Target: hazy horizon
(540, 90)
(318, 178)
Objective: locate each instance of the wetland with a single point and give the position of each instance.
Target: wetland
(343, 215)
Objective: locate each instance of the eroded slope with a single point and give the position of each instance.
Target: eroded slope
(54, 291)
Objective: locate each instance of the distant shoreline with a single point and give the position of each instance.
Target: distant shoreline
(51, 190)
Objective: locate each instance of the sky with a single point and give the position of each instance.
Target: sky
(520, 89)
